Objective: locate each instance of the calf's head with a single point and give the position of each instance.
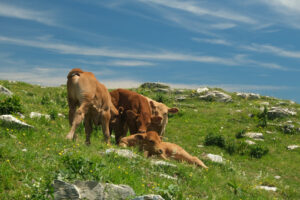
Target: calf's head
(138, 123)
(161, 110)
(151, 142)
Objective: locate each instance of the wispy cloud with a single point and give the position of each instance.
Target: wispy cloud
(213, 41)
(273, 50)
(13, 11)
(200, 10)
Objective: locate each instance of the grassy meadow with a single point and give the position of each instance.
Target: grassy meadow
(31, 158)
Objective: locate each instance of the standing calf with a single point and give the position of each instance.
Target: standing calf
(93, 101)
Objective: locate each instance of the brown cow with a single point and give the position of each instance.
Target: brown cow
(135, 113)
(151, 143)
(161, 110)
(93, 101)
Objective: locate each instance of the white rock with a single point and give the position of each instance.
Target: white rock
(265, 103)
(149, 197)
(122, 152)
(61, 115)
(254, 135)
(289, 121)
(258, 139)
(215, 158)
(202, 90)
(250, 142)
(167, 176)
(268, 188)
(11, 119)
(5, 91)
(216, 96)
(24, 150)
(248, 95)
(277, 177)
(277, 112)
(269, 132)
(291, 147)
(200, 145)
(38, 115)
(162, 163)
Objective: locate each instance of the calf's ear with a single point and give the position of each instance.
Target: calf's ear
(173, 110)
(131, 114)
(152, 105)
(156, 119)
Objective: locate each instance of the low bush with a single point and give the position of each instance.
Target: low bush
(214, 140)
(257, 151)
(10, 105)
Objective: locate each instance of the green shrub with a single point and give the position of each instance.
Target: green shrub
(45, 100)
(53, 114)
(263, 118)
(231, 147)
(257, 151)
(160, 98)
(214, 140)
(242, 148)
(10, 105)
(240, 134)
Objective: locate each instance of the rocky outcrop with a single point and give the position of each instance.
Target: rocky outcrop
(254, 135)
(216, 96)
(5, 91)
(202, 90)
(249, 96)
(278, 112)
(13, 120)
(215, 158)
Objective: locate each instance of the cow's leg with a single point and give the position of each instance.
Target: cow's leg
(88, 126)
(121, 131)
(72, 110)
(105, 118)
(78, 117)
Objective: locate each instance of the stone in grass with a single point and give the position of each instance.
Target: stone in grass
(268, 188)
(202, 90)
(254, 135)
(250, 142)
(149, 197)
(277, 112)
(248, 96)
(162, 163)
(216, 96)
(277, 177)
(5, 91)
(91, 190)
(122, 152)
(215, 158)
(13, 120)
(292, 147)
(167, 176)
(38, 115)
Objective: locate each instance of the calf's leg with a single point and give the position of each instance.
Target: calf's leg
(105, 118)
(88, 126)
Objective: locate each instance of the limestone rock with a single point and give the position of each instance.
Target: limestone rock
(292, 147)
(63, 190)
(12, 119)
(216, 96)
(248, 96)
(38, 115)
(202, 90)
(162, 163)
(254, 135)
(5, 91)
(215, 158)
(149, 197)
(250, 142)
(167, 176)
(122, 152)
(268, 188)
(278, 112)
(180, 98)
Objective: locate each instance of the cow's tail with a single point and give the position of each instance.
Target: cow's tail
(74, 72)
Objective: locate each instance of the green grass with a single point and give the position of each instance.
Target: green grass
(30, 159)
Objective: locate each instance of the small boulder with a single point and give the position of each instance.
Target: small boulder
(5, 91)
(180, 98)
(202, 90)
(216, 96)
(122, 152)
(254, 135)
(292, 147)
(268, 188)
(162, 163)
(249, 96)
(167, 176)
(12, 119)
(215, 158)
(250, 142)
(63, 190)
(38, 115)
(149, 197)
(278, 112)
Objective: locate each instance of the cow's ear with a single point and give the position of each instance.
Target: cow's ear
(121, 110)
(152, 105)
(140, 136)
(173, 110)
(156, 119)
(131, 114)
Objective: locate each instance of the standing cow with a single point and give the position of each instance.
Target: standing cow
(90, 100)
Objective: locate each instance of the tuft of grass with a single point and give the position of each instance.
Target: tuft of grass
(214, 140)
(257, 151)
(10, 105)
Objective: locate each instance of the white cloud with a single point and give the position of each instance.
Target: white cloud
(129, 63)
(223, 26)
(273, 50)
(199, 10)
(285, 6)
(213, 41)
(25, 14)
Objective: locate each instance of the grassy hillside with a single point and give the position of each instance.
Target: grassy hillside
(31, 158)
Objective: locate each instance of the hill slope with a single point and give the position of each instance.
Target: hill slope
(31, 158)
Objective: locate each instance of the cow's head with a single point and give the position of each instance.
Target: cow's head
(151, 142)
(161, 110)
(138, 123)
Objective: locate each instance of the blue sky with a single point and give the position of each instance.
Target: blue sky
(249, 45)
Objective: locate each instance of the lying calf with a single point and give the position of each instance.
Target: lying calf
(151, 143)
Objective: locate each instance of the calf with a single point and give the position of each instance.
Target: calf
(161, 110)
(135, 113)
(93, 101)
(151, 143)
